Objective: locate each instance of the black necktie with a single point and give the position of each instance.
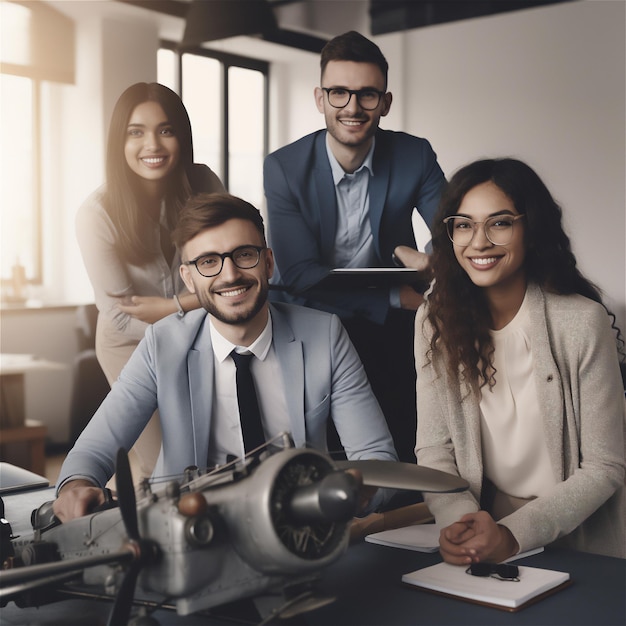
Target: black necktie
(249, 413)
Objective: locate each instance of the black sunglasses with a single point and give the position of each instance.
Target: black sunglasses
(500, 571)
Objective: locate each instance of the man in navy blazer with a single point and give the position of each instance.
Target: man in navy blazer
(306, 370)
(344, 197)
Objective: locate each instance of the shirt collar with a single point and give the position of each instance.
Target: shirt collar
(260, 347)
(339, 172)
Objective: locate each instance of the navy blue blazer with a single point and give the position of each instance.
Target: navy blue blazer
(302, 212)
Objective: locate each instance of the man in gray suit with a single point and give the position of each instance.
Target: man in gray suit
(306, 370)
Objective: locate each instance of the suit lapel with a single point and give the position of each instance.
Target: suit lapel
(379, 183)
(327, 199)
(200, 371)
(290, 357)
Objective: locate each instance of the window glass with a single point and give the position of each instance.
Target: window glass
(202, 95)
(246, 133)
(167, 69)
(15, 30)
(18, 182)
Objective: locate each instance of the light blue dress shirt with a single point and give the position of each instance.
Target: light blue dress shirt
(354, 242)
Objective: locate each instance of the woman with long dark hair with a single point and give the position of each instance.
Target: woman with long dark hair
(518, 378)
(124, 228)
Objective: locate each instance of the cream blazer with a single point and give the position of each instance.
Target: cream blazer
(584, 415)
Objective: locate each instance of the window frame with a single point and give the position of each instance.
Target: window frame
(227, 60)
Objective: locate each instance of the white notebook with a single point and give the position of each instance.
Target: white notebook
(452, 580)
(422, 538)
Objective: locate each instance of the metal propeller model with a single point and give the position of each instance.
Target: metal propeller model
(260, 527)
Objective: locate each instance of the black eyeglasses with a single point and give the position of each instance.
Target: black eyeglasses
(244, 257)
(499, 571)
(368, 99)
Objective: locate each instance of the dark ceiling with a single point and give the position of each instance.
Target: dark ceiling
(386, 16)
(389, 16)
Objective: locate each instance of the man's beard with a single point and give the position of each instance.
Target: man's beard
(234, 317)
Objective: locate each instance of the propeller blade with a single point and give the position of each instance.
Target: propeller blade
(305, 605)
(145, 551)
(126, 494)
(120, 613)
(395, 475)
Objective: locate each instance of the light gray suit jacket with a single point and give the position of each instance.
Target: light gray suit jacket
(172, 370)
(582, 399)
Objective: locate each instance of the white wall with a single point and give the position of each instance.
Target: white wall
(545, 85)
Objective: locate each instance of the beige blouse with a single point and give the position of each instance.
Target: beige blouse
(515, 452)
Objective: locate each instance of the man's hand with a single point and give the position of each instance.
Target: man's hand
(77, 498)
(419, 261)
(409, 298)
(476, 537)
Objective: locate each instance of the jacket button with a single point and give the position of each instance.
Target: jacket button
(550, 378)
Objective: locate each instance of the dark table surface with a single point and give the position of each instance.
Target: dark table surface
(366, 582)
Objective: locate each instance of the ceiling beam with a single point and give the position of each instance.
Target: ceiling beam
(389, 16)
(282, 36)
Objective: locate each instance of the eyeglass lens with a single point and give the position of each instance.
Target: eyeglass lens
(245, 258)
(368, 99)
(498, 229)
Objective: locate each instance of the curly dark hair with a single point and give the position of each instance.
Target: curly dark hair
(458, 310)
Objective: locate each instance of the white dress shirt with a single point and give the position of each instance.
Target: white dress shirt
(515, 451)
(226, 438)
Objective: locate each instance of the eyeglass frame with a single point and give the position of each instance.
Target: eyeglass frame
(448, 219)
(226, 255)
(353, 92)
(503, 571)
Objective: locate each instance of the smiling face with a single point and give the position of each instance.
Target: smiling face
(352, 126)
(236, 298)
(151, 148)
(497, 268)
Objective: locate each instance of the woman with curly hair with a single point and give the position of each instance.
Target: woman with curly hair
(124, 227)
(518, 377)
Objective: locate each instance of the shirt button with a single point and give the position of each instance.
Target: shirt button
(550, 378)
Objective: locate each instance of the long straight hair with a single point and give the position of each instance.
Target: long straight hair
(457, 309)
(123, 196)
